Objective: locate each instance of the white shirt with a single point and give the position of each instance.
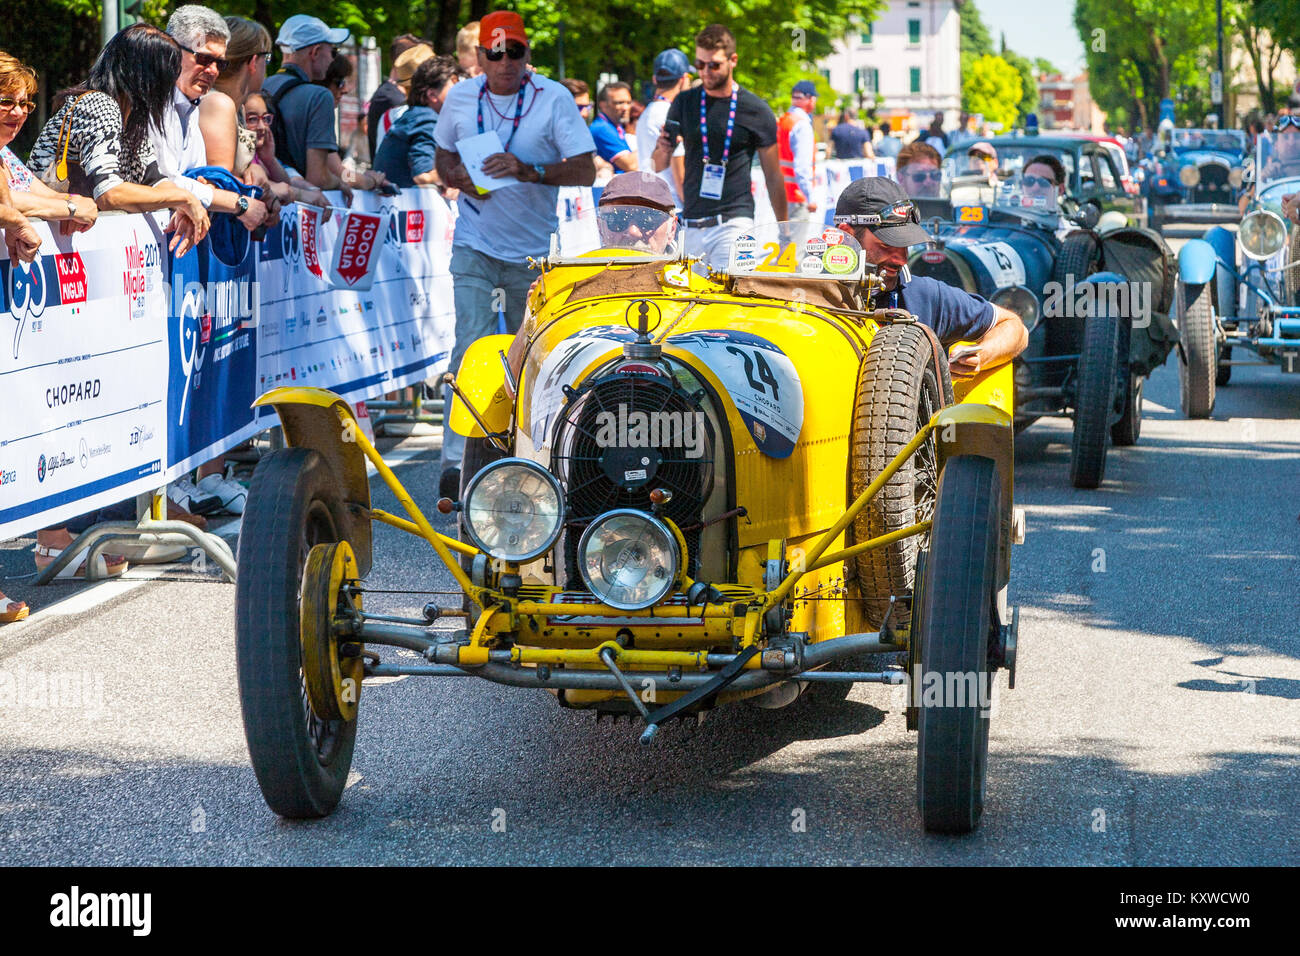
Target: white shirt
(179, 145)
(801, 146)
(516, 221)
(649, 126)
(386, 123)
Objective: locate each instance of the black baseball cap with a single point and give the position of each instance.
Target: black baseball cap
(884, 207)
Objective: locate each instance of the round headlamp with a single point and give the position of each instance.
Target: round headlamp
(628, 559)
(1189, 175)
(514, 509)
(1261, 234)
(1019, 300)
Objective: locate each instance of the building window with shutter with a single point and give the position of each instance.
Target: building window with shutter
(866, 35)
(914, 80)
(914, 32)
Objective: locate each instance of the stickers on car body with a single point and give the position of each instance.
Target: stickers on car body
(999, 258)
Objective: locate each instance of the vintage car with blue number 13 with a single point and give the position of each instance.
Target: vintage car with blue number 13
(681, 490)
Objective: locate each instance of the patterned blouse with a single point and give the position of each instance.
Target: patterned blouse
(97, 158)
(20, 177)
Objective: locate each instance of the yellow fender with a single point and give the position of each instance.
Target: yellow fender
(482, 379)
(973, 429)
(316, 418)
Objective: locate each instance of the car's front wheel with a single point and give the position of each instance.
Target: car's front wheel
(1198, 353)
(1094, 401)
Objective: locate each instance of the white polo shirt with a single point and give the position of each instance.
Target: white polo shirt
(515, 221)
(179, 145)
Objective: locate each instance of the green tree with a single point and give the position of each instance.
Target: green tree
(993, 87)
(1028, 82)
(1268, 28)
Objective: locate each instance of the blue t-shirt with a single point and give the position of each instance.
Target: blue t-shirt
(953, 313)
(610, 139)
(848, 140)
(408, 148)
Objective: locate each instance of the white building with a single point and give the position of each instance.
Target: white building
(911, 56)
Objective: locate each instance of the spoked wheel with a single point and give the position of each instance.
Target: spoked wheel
(1198, 366)
(1094, 405)
(898, 392)
(954, 617)
(301, 758)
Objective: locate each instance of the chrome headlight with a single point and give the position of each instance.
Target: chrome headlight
(1189, 175)
(514, 509)
(1261, 234)
(1019, 300)
(628, 559)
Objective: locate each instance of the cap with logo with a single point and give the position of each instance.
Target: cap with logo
(404, 66)
(500, 27)
(671, 65)
(806, 87)
(301, 31)
(638, 188)
(883, 206)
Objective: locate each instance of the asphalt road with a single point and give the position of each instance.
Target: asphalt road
(1156, 718)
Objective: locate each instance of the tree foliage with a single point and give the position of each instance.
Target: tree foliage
(993, 87)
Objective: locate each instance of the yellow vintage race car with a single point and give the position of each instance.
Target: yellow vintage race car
(681, 489)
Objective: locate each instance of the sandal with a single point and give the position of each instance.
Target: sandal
(110, 565)
(13, 611)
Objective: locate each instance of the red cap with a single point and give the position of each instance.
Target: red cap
(499, 27)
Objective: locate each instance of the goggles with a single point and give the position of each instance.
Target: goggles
(1284, 121)
(895, 215)
(622, 218)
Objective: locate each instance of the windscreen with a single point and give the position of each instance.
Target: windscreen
(1225, 140)
(624, 231)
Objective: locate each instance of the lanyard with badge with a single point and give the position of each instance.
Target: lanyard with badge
(519, 111)
(715, 173)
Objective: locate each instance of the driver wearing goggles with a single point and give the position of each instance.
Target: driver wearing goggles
(886, 223)
(636, 212)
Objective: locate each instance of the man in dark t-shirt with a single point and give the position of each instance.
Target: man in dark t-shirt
(718, 203)
(884, 220)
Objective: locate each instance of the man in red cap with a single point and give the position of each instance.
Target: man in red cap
(545, 145)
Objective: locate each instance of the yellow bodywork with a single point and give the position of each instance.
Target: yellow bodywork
(797, 506)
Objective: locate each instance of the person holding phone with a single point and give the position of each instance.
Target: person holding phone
(672, 76)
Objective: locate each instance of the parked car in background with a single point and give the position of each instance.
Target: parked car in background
(1196, 176)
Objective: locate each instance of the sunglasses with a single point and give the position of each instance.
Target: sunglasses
(7, 103)
(703, 65)
(206, 60)
(516, 51)
(585, 108)
(932, 175)
(1037, 182)
(259, 119)
(1284, 121)
(620, 219)
(892, 215)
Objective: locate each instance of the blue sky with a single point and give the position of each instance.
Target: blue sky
(1036, 28)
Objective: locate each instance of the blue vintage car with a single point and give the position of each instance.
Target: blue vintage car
(1196, 176)
(1095, 302)
(1243, 289)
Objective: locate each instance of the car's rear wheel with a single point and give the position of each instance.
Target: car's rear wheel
(955, 614)
(1094, 403)
(301, 760)
(1198, 368)
(899, 389)
(1223, 374)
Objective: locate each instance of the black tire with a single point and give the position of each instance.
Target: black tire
(1223, 374)
(1094, 402)
(898, 391)
(1080, 257)
(1128, 429)
(1198, 368)
(301, 762)
(955, 620)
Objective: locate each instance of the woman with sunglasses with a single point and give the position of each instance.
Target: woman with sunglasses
(97, 141)
(917, 170)
(29, 195)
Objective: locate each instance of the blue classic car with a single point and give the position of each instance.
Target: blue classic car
(1243, 289)
(1095, 302)
(1195, 176)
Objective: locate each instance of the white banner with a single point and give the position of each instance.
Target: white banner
(83, 372)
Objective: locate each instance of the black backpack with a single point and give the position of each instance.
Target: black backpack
(278, 128)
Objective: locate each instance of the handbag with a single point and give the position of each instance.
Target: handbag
(56, 174)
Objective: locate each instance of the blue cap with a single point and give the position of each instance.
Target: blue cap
(301, 31)
(806, 87)
(671, 65)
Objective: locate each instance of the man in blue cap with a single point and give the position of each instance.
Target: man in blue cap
(672, 74)
(796, 147)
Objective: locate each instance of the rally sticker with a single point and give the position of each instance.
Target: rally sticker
(811, 265)
(760, 379)
(832, 236)
(814, 247)
(840, 260)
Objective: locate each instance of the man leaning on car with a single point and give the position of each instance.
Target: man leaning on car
(882, 218)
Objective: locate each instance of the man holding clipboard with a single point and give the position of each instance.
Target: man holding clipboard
(509, 187)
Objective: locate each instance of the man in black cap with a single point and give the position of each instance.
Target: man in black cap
(636, 212)
(885, 222)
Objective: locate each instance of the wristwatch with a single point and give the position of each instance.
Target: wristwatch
(242, 205)
(541, 171)
(72, 209)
